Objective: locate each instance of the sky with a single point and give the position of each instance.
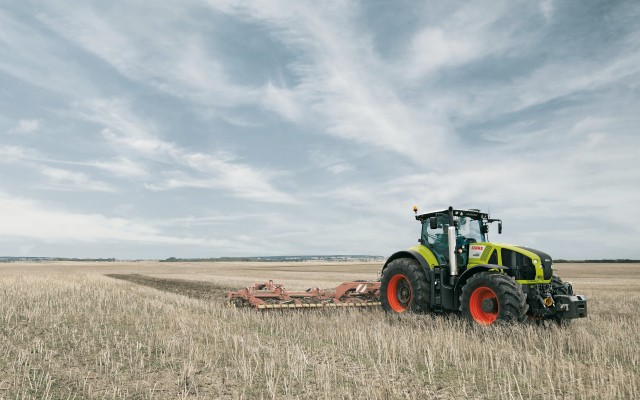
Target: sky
(208, 128)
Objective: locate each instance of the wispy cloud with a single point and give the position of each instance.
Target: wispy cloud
(11, 154)
(283, 101)
(509, 80)
(547, 8)
(122, 167)
(64, 179)
(30, 219)
(24, 126)
(164, 50)
(340, 79)
(217, 170)
(329, 161)
(457, 37)
(38, 59)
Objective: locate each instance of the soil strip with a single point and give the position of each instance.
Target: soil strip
(193, 289)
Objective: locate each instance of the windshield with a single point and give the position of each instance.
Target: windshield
(468, 231)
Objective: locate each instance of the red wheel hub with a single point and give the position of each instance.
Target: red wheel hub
(484, 306)
(399, 293)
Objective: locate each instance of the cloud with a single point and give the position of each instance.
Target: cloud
(191, 221)
(456, 37)
(25, 126)
(12, 154)
(340, 79)
(329, 161)
(39, 59)
(71, 180)
(218, 170)
(122, 167)
(282, 101)
(554, 81)
(497, 80)
(166, 50)
(547, 8)
(433, 49)
(337, 169)
(68, 179)
(29, 219)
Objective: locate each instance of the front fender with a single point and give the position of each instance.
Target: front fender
(464, 277)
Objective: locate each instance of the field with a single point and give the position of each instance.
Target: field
(160, 330)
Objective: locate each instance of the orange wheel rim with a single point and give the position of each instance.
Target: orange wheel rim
(399, 293)
(484, 306)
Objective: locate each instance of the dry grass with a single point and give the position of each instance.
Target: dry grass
(73, 334)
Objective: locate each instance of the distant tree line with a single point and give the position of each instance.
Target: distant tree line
(210, 259)
(50, 259)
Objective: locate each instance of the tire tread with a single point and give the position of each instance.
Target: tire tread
(512, 300)
(419, 281)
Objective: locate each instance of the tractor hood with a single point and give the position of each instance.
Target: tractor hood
(502, 254)
(544, 257)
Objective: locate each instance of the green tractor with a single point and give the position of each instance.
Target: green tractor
(456, 268)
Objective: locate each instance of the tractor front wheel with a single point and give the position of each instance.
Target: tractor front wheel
(489, 297)
(404, 287)
(559, 286)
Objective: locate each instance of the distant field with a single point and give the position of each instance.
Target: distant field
(296, 275)
(162, 330)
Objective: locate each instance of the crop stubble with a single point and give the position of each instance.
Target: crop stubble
(163, 331)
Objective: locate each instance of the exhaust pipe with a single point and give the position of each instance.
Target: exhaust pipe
(453, 266)
(451, 235)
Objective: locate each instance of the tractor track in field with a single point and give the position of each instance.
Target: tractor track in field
(201, 290)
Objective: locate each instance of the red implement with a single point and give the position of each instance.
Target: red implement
(273, 295)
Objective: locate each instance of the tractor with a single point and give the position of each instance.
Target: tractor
(456, 268)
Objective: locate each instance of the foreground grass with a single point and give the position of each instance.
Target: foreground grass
(74, 336)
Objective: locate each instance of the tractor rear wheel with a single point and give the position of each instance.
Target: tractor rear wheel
(404, 287)
(488, 297)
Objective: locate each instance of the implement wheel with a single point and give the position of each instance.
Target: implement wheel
(404, 287)
(489, 297)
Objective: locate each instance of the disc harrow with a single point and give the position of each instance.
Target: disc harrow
(269, 295)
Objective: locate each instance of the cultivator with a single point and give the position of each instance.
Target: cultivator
(269, 295)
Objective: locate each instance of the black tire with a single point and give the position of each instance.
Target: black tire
(490, 297)
(560, 287)
(399, 276)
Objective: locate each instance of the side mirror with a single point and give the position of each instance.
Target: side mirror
(500, 227)
(433, 223)
(485, 229)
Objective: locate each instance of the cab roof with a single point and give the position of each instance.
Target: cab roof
(472, 213)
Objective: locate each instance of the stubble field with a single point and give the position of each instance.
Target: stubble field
(159, 330)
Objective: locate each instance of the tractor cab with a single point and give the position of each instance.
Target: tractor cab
(470, 226)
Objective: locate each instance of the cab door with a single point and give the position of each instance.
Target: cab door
(437, 240)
